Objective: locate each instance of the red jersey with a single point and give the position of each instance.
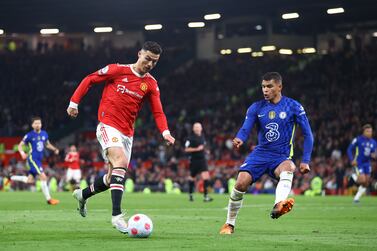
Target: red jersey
(122, 98)
(73, 160)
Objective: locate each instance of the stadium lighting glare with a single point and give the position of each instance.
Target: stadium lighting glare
(226, 51)
(1, 31)
(257, 54)
(308, 50)
(348, 36)
(150, 27)
(212, 16)
(335, 11)
(258, 27)
(244, 50)
(196, 24)
(49, 31)
(268, 48)
(290, 15)
(286, 51)
(375, 34)
(102, 29)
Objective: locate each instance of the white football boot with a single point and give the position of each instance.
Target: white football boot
(81, 207)
(119, 223)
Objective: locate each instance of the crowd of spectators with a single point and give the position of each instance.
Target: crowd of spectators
(336, 89)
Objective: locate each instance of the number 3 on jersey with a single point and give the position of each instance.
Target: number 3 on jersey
(273, 132)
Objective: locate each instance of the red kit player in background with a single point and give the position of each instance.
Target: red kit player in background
(72, 159)
(127, 86)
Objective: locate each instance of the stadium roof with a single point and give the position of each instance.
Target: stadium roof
(23, 16)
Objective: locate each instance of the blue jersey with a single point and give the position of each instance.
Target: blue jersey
(276, 124)
(363, 148)
(36, 142)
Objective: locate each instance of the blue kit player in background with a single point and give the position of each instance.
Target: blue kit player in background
(36, 139)
(276, 118)
(364, 148)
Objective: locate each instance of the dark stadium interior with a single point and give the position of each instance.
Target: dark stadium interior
(337, 88)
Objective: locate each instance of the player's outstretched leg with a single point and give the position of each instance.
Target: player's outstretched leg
(117, 188)
(234, 205)
(100, 184)
(282, 204)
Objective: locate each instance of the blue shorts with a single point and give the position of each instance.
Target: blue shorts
(363, 168)
(35, 166)
(257, 165)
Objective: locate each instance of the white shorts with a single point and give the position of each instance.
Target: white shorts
(73, 174)
(110, 137)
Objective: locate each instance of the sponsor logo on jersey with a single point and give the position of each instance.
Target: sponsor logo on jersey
(282, 115)
(122, 89)
(272, 114)
(143, 87)
(260, 115)
(115, 139)
(104, 70)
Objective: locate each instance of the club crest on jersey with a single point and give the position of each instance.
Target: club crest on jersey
(104, 70)
(271, 115)
(115, 139)
(282, 115)
(143, 87)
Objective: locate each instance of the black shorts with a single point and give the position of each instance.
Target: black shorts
(198, 166)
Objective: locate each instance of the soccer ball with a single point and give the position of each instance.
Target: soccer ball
(140, 226)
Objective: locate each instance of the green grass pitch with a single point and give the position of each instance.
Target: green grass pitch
(316, 223)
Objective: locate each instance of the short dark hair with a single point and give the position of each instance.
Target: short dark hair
(153, 47)
(272, 75)
(34, 118)
(367, 126)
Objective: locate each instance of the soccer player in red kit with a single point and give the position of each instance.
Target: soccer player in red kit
(127, 86)
(73, 163)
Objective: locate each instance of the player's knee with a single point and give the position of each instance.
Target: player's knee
(236, 195)
(241, 186)
(286, 175)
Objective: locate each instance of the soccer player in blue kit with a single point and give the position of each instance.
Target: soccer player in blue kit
(276, 117)
(36, 139)
(364, 147)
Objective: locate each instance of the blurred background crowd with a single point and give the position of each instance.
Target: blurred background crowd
(337, 90)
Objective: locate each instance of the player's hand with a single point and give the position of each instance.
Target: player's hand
(56, 151)
(72, 112)
(169, 139)
(23, 155)
(304, 168)
(237, 142)
(354, 163)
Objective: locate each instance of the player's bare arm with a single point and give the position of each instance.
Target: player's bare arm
(52, 147)
(304, 168)
(21, 150)
(237, 142)
(194, 149)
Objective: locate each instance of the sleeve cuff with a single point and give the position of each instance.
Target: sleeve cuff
(73, 105)
(166, 132)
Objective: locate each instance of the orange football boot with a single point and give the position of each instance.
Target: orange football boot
(227, 229)
(53, 202)
(282, 207)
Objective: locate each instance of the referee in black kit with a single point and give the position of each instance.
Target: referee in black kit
(194, 146)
